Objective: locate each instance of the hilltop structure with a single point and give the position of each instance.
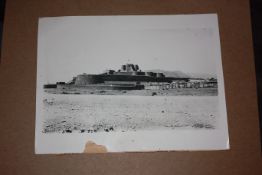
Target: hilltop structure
(129, 77)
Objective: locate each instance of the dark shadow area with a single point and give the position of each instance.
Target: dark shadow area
(256, 17)
(2, 9)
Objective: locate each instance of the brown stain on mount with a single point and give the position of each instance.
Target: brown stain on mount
(92, 147)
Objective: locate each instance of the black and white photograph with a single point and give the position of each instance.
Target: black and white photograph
(130, 83)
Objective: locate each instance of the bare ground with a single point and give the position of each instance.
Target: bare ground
(103, 113)
(170, 92)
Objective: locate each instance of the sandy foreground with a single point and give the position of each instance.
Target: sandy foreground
(170, 92)
(66, 113)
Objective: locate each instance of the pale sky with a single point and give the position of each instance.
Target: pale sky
(68, 46)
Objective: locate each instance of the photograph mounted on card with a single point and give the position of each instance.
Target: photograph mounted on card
(130, 84)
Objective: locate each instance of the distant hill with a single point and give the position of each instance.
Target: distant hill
(201, 75)
(180, 74)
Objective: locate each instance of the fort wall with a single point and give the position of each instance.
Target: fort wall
(85, 79)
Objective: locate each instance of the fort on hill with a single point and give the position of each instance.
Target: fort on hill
(128, 77)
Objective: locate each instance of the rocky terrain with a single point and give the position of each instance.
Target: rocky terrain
(103, 113)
